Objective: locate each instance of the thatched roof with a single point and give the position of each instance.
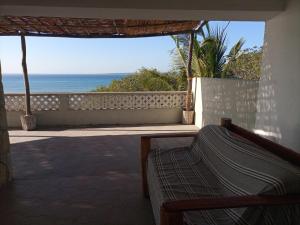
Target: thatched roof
(91, 28)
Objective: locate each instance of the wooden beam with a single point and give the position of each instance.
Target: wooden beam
(26, 80)
(94, 36)
(79, 28)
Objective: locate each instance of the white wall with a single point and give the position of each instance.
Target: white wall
(217, 98)
(278, 108)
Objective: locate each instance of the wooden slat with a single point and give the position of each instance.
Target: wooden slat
(92, 28)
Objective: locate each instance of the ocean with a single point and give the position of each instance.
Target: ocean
(14, 83)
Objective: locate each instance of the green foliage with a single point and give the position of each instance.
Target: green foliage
(209, 58)
(146, 80)
(246, 66)
(209, 54)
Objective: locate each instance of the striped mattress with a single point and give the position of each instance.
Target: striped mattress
(220, 163)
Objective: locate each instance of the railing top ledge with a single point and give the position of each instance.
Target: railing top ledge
(216, 79)
(99, 93)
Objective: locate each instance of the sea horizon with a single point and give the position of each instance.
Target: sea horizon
(69, 74)
(45, 82)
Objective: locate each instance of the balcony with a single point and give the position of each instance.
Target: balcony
(79, 176)
(75, 109)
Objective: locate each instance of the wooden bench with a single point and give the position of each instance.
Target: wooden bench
(172, 211)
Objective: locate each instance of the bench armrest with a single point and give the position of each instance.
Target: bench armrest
(173, 135)
(171, 212)
(205, 203)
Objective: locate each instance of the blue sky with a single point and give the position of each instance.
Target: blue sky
(92, 56)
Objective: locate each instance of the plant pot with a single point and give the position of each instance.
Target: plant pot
(28, 122)
(188, 117)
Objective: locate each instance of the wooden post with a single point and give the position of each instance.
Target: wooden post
(26, 81)
(28, 120)
(189, 74)
(4, 139)
(226, 122)
(170, 218)
(145, 149)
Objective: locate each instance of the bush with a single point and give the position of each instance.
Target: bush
(247, 65)
(145, 80)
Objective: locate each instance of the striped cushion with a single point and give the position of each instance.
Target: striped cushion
(173, 174)
(219, 163)
(243, 167)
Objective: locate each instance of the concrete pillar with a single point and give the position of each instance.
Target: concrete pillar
(278, 107)
(63, 102)
(5, 170)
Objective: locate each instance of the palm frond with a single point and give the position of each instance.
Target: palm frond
(180, 57)
(236, 49)
(204, 29)
(209, 59)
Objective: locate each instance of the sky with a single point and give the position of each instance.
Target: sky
(93, 56)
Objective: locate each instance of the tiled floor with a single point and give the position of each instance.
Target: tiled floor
(83, 176)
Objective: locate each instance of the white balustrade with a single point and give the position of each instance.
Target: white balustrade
(39, 102)
(96, 101)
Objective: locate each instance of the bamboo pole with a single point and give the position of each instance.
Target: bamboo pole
(189, 96)
(25, 74)
(4, 139)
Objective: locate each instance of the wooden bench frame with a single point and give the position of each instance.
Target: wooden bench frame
(171, 212)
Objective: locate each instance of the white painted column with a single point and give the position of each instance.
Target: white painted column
(5, 168)
(278, 108)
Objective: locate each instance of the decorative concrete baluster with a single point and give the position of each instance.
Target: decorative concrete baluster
(63, 102)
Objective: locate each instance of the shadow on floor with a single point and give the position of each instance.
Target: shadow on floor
(76, 181)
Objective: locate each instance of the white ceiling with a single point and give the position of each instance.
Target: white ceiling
(150, 9)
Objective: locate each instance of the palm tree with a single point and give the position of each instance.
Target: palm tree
(185, 49)
(209, 54)
(233, 55)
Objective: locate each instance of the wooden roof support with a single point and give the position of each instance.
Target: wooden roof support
(92, 27)
(189, 96)
(26, 80)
